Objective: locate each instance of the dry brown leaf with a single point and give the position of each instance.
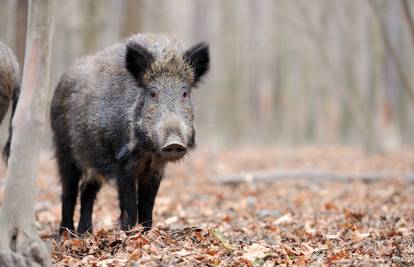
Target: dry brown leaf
(285, 219)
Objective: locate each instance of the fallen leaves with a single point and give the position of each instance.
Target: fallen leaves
(301, 223)
(219, 236)
(285, 219)
(337, 256)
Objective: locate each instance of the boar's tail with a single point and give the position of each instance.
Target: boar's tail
(6, 149)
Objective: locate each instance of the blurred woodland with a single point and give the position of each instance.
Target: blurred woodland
(283, 72)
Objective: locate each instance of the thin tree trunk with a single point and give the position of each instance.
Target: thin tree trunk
(132, 19)
(21, 29)
(335, 79)
(7, 18)
(392, 52)
(20, 244)
(408, 18)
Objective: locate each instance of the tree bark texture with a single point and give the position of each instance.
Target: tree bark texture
(20, 244)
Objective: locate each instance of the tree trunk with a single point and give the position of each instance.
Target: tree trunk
(7, 18)
(20, 244)
(409, 18)
(391, 50)
(21, 29)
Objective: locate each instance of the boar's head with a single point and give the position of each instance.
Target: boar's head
(163, 114)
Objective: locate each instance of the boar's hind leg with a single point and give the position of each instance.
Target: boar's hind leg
(69, 175)
(147, 191)
(4, 104)
(6, 149)
(127, 199)
(88, 195)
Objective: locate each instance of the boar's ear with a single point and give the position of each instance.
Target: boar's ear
(198, 57)
(137, 60)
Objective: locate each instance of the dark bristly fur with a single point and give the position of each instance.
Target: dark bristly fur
(113, 112)
(9, 89)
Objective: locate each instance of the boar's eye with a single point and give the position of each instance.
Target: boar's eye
(153, 94)
(185, 94)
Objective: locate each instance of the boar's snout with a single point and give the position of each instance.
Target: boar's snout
(173, 135)
(173, 149)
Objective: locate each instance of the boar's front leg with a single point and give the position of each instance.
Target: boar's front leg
(70, 175)
(127, 199)
(147, 191)
(88, 195)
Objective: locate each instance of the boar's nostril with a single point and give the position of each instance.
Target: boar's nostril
(174, 148)
(181, 149)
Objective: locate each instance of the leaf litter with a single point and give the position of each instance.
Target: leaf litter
(199, 222)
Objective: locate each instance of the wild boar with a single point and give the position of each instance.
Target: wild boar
(124, 113)
(9, 88)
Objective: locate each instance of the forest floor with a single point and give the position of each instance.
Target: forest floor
(199, 221)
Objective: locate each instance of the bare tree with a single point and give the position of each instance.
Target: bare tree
(403, 76)
(132, 20)
(408, 17)
(20, 244)
(21, 28)
(7, 17)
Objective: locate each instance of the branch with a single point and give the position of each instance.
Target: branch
(314, 175)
